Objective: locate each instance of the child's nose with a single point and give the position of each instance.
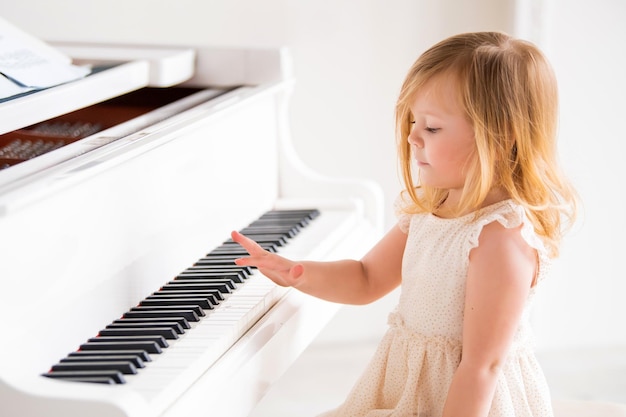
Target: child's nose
(415, 139)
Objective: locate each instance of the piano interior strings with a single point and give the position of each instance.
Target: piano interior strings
(35, 140)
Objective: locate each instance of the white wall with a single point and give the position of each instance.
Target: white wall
(350, 58)
(585, 304)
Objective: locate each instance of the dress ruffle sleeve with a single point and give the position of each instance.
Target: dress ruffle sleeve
(511, 216)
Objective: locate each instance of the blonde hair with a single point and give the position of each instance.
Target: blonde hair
(509, 93)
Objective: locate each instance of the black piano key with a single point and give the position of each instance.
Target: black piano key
(276, 224)
(216, 262)
(270, 229)
(208, 274)
(276, 240)
(116, 376)
(181, 321)
(140, 354)
(161, 301)
(208, 299)
(291, 213)
(188, 315)
(260, 234)
(197, 311)
(297, 222)
(164, 332)
(232, 244)
(196, 285)
(93, 380)
(232, 248)
(221, 256)
(124, 367)
(230, 283)
(243, 272)
(230, 268)
(226, 250)
(159, 340)
(212, 295)
(122, 324)
(150, 347)
(135, 360)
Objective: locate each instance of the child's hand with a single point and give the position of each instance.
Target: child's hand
(280, 270)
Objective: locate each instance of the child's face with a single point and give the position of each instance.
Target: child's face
(441, 139)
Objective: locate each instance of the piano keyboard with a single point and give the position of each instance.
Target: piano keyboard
(205, 307)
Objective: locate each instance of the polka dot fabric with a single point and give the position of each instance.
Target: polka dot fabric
(413, 366)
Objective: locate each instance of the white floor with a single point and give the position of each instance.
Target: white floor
(324, 374)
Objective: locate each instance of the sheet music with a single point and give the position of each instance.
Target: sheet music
(27, 63)
(8, 88)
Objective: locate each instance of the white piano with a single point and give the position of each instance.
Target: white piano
(118, 183)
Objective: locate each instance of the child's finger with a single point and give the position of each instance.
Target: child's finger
(248, 244)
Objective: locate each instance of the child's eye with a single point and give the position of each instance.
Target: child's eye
(432, 129)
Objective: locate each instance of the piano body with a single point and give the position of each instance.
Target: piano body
(164, 151)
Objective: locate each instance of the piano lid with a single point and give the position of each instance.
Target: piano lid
(109, 78)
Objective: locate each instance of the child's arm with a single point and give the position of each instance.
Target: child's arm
(501, 273)
(345, 281)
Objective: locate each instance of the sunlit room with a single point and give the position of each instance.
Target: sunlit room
(318, 87)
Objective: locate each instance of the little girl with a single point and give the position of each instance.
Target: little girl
(479, 221)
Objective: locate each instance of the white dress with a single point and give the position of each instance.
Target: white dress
(413, 366)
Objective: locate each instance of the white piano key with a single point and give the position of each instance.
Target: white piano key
(208, 339)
